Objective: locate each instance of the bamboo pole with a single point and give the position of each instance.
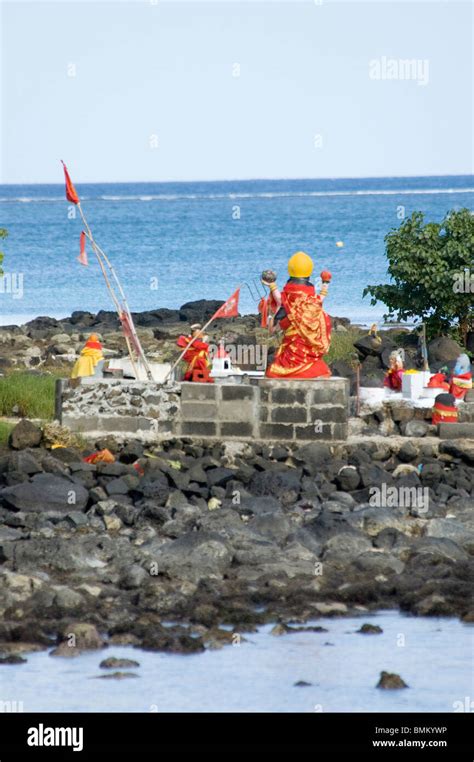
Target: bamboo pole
(100, 255)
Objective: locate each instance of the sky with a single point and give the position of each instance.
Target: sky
(157, 90)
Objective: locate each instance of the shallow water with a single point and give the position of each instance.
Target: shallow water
(435, 657)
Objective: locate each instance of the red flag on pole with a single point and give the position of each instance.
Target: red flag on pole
(83, 253)
(71, 194)
(230, 308)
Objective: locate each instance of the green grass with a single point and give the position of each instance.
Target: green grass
(342, 345)
(27, 395)
(5, 428)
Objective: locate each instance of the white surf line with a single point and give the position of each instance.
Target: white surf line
(263, 194)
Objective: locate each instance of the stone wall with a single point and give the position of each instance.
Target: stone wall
(263, 409)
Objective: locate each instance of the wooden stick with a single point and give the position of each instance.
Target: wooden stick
(120, 308)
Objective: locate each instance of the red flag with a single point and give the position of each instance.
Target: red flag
(71, 194)
(83, 253)
(129, 332)
(230, 308)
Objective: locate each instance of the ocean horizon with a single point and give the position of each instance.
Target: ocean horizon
(174, 242)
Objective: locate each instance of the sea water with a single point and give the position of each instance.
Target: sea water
(176, 242)
(434, 656)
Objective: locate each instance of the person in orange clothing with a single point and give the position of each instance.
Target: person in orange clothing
(306, 327)
(90, 357)
(197, 356)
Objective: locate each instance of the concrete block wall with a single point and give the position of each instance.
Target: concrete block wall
(263, 409)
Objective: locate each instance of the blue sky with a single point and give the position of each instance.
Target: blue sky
(146, 91)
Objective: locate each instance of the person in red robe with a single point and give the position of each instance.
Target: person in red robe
(197, 356)
(306, 327)
(393, 377)
(461, 379)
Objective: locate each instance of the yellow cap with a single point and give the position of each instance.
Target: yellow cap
(300, 265)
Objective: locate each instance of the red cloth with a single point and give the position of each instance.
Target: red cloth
(460, 385)
(83, 253)
(393, 379)
(71, 193)
(230, 308)
(93, 345)
(197, 356)
(307, 331)
(438, 381)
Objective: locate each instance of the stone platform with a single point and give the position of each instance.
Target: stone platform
(261, 409)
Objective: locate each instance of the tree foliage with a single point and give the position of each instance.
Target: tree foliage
(431, 266)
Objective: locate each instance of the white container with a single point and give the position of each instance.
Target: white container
(413, 384)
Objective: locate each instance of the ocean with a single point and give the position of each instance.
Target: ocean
(433, 655)
(172, 243)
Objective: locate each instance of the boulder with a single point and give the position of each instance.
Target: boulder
(415, 428)
(373, 346)
(199, 311)
(25, 434)
(195, 555)
(441, 351)
(314, 456)
(391, 681)
(348, 478)
(46, 492)
(407, 451)
(285, 485)
(82, 635)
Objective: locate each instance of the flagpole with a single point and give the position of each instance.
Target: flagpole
(192, 342)
(100, 253)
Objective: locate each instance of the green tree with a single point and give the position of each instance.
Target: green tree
(3, 234)
(432, 273)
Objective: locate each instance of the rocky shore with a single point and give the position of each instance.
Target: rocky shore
(165, 545)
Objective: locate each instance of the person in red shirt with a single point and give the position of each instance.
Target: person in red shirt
(197, 356)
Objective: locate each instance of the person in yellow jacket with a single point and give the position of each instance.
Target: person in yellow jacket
(90, 356)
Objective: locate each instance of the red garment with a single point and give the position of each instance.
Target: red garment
(93, 345)
(306, 337)
(393, 379)
(197, 356)
(460, 385)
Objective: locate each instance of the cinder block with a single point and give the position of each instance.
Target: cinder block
(236, 429)
(340, 431)
(198, 392)
(314, 433)
(198, 411)
(237, 392)
(81, 424)
(276, 431)
(466, 413)
(237, 410)
(287, 395)
(456, 430)
(289, 414)
(264, 413)
(118, 423)
(198, 428)
(144, 424)
(329, 414)
(329, 395)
